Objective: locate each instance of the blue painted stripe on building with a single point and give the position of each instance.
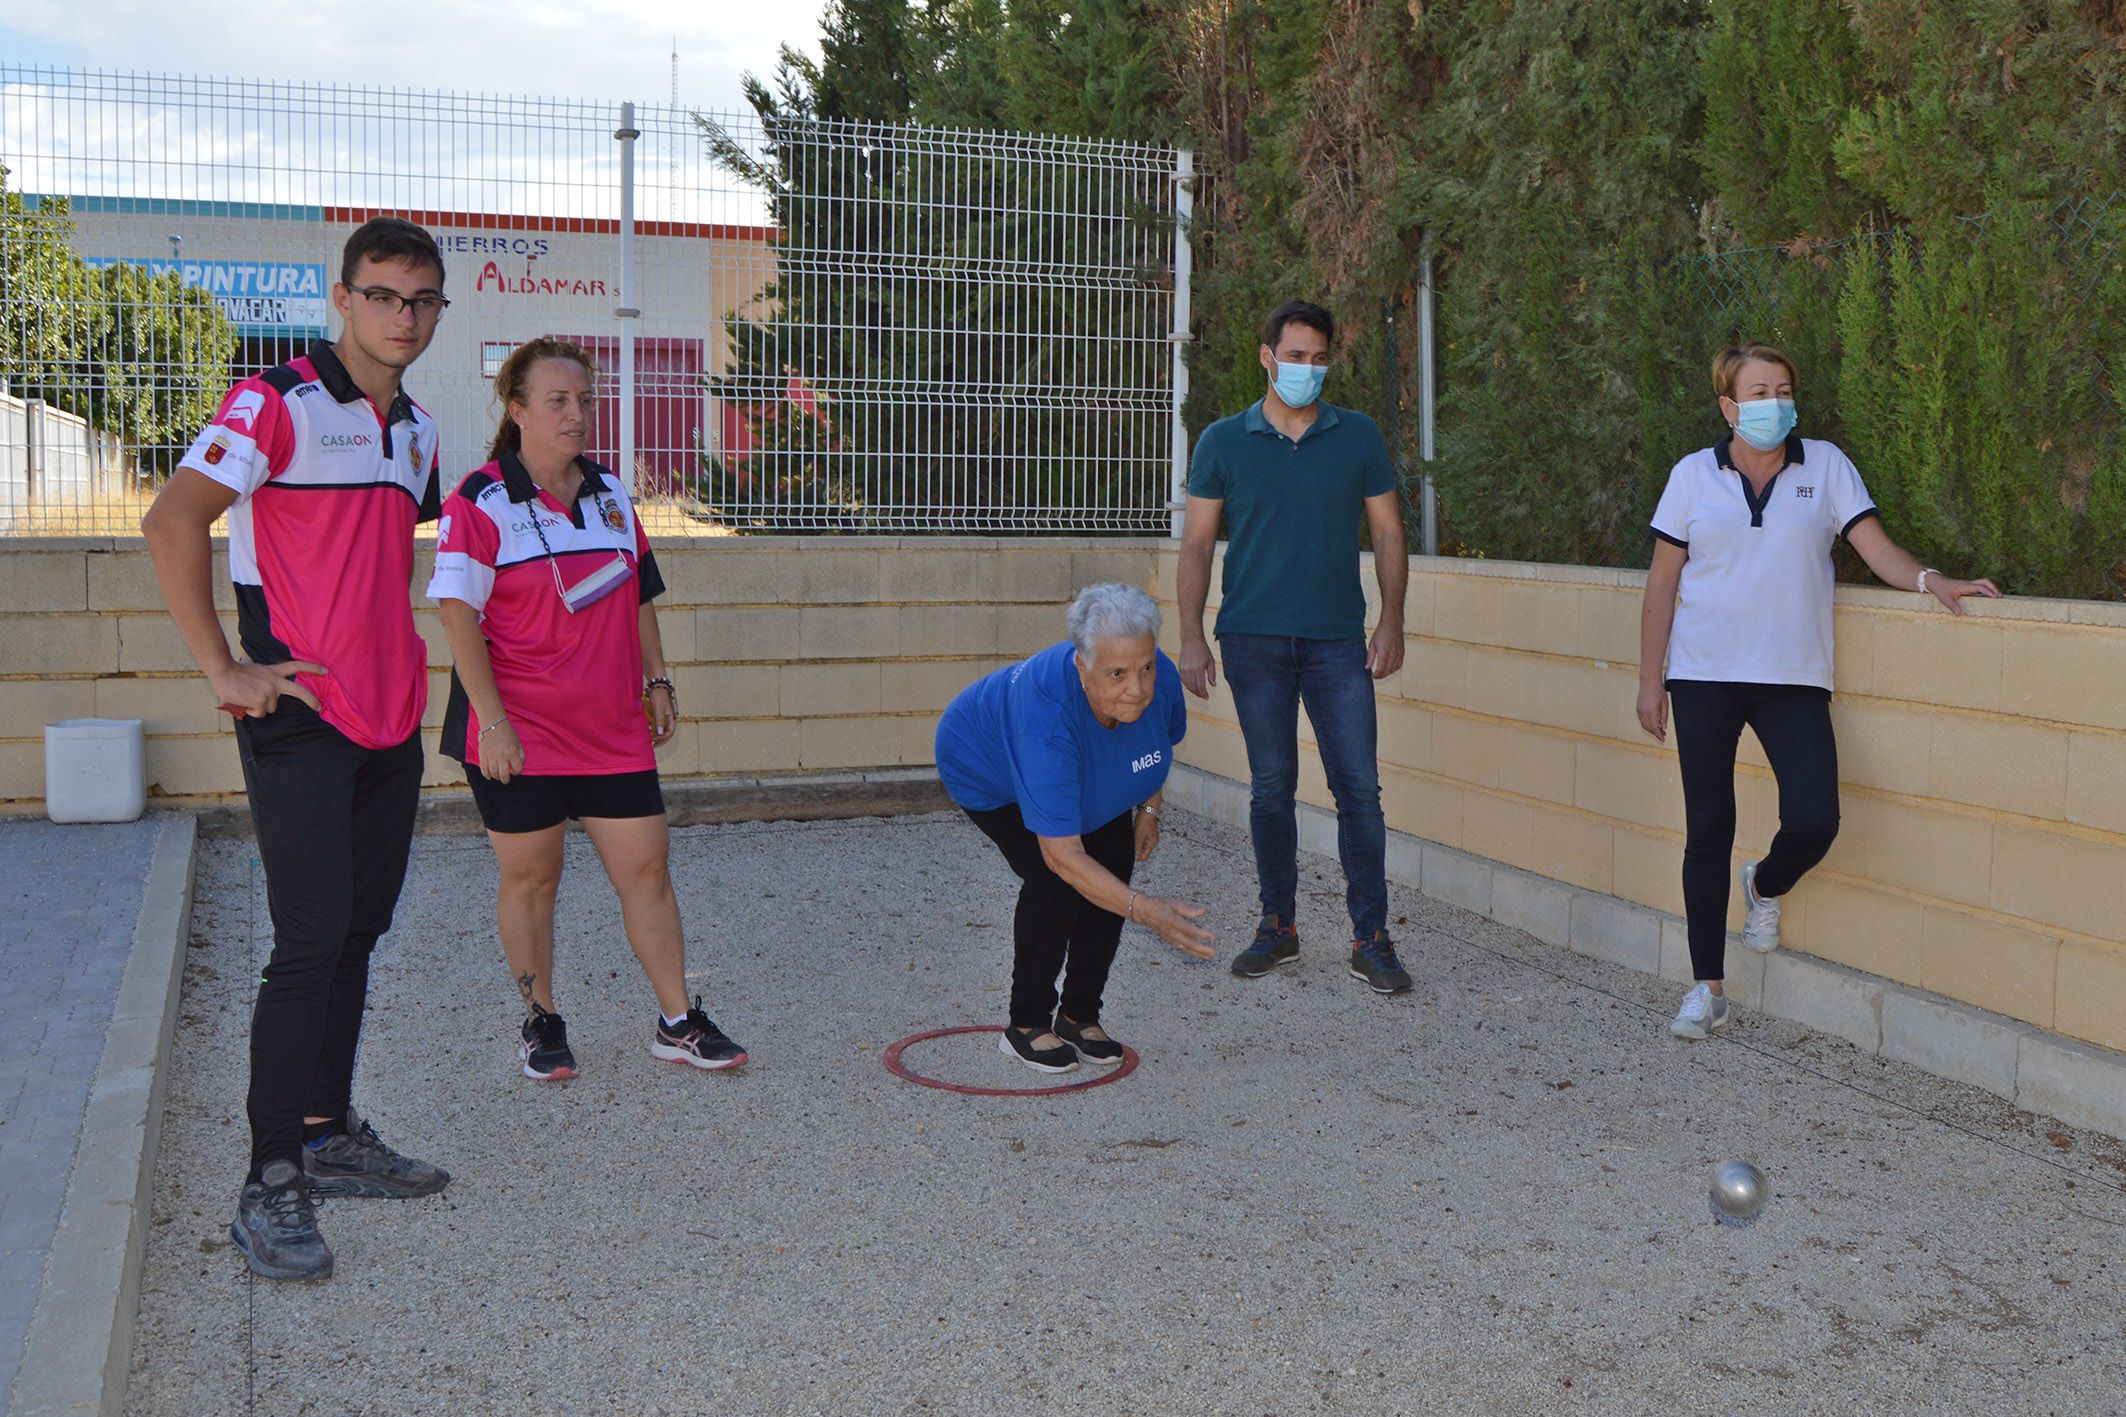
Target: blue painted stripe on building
(182, 206)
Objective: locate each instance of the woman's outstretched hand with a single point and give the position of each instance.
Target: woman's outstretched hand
(1174, 921)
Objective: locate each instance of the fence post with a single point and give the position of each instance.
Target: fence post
(1427, 390)
(627, 314)
(33, 441)
(1177, 342)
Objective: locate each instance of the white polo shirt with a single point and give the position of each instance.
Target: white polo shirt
(1755, 601)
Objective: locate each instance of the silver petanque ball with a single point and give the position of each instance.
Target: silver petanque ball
(1738, 1194)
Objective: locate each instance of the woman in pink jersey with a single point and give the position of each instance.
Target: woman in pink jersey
(546, 586)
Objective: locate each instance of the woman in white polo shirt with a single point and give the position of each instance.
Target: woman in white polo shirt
(1738, 608)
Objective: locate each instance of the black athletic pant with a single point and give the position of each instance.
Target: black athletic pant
(1793, 723)
(335, 825)
(1055, 924)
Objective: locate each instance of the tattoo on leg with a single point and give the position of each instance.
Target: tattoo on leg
(524, 986)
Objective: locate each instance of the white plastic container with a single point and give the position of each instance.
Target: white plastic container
(95, 770)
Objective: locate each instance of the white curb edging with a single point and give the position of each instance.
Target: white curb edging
(80, 1345)
(2078, 1083)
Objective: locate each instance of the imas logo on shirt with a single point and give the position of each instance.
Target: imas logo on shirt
(1149, 760)
(346, 440)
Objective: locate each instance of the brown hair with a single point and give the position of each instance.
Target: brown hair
(1727, 366)
(390, 238)
(515, 373)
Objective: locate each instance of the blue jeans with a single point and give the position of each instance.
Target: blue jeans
(1270, 676)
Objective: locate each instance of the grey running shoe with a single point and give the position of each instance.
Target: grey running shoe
(356, 1162)
(1760, 927)
(1374, 961)
(276, 1226)
(1703, 1011)
(1275, 943)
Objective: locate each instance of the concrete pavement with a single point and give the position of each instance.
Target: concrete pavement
(88, 986)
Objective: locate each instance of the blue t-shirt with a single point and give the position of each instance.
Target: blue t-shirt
(1293, 511)
(1026, 734)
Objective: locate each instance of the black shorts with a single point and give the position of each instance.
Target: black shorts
(532, 804)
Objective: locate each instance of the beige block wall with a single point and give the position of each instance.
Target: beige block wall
(790, 654)
(1984, 760)
(1983, 850)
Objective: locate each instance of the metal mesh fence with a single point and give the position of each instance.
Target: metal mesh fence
(840, 325)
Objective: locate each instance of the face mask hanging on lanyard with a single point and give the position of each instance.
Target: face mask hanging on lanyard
(598, 584)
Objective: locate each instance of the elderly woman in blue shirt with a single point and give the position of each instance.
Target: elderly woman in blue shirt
(1060, 760)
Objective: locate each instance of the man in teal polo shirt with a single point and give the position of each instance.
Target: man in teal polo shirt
(1294, 477)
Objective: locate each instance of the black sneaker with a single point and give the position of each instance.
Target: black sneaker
(1374, 961)
(356, 1162)
(544, 1051)
(1018, 1043)
(1275, 944)
(276, 1226)
(1092, 1050)
(697, 1042)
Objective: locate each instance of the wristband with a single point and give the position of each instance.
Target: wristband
(1149, 811)
(1929, 571)
(489, 728)
(661, 682)
(1129, 912)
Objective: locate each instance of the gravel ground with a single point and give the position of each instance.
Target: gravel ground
(1486, 1196)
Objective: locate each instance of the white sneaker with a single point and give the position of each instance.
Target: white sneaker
(1703, 1011)
(1760, 930)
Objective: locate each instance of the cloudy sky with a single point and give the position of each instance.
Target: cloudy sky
(566, 48)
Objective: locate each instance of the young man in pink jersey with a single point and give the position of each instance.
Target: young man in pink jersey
(323, 466)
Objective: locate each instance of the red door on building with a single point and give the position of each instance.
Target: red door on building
(671, 411)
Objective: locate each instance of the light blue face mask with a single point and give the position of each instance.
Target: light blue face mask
(1299, 384)
(1761, 423)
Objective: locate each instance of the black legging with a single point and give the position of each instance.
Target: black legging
(1054, 923)
(334, 822)
(1793, 722)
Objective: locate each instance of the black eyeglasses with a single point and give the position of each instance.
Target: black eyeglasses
(386, 301)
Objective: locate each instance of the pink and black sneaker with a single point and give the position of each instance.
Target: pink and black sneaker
(697, 1042)
(544, 1051)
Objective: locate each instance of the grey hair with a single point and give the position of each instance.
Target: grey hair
(1111, 611)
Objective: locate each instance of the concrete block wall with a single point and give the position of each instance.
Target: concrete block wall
(790, 654)
(1983, 767)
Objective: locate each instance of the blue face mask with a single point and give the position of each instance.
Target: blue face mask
(1299, 384)
(1762, 423)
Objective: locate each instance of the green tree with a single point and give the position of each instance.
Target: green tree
(1959, 329)
(140, 356)
(1563, 184)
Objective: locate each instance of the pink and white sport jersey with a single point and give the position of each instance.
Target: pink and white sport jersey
(570, 680)
(321, 537)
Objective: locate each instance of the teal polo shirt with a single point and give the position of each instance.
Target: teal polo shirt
(1293, 511)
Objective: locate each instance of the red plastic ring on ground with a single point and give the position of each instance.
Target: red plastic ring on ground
(899, 1069)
